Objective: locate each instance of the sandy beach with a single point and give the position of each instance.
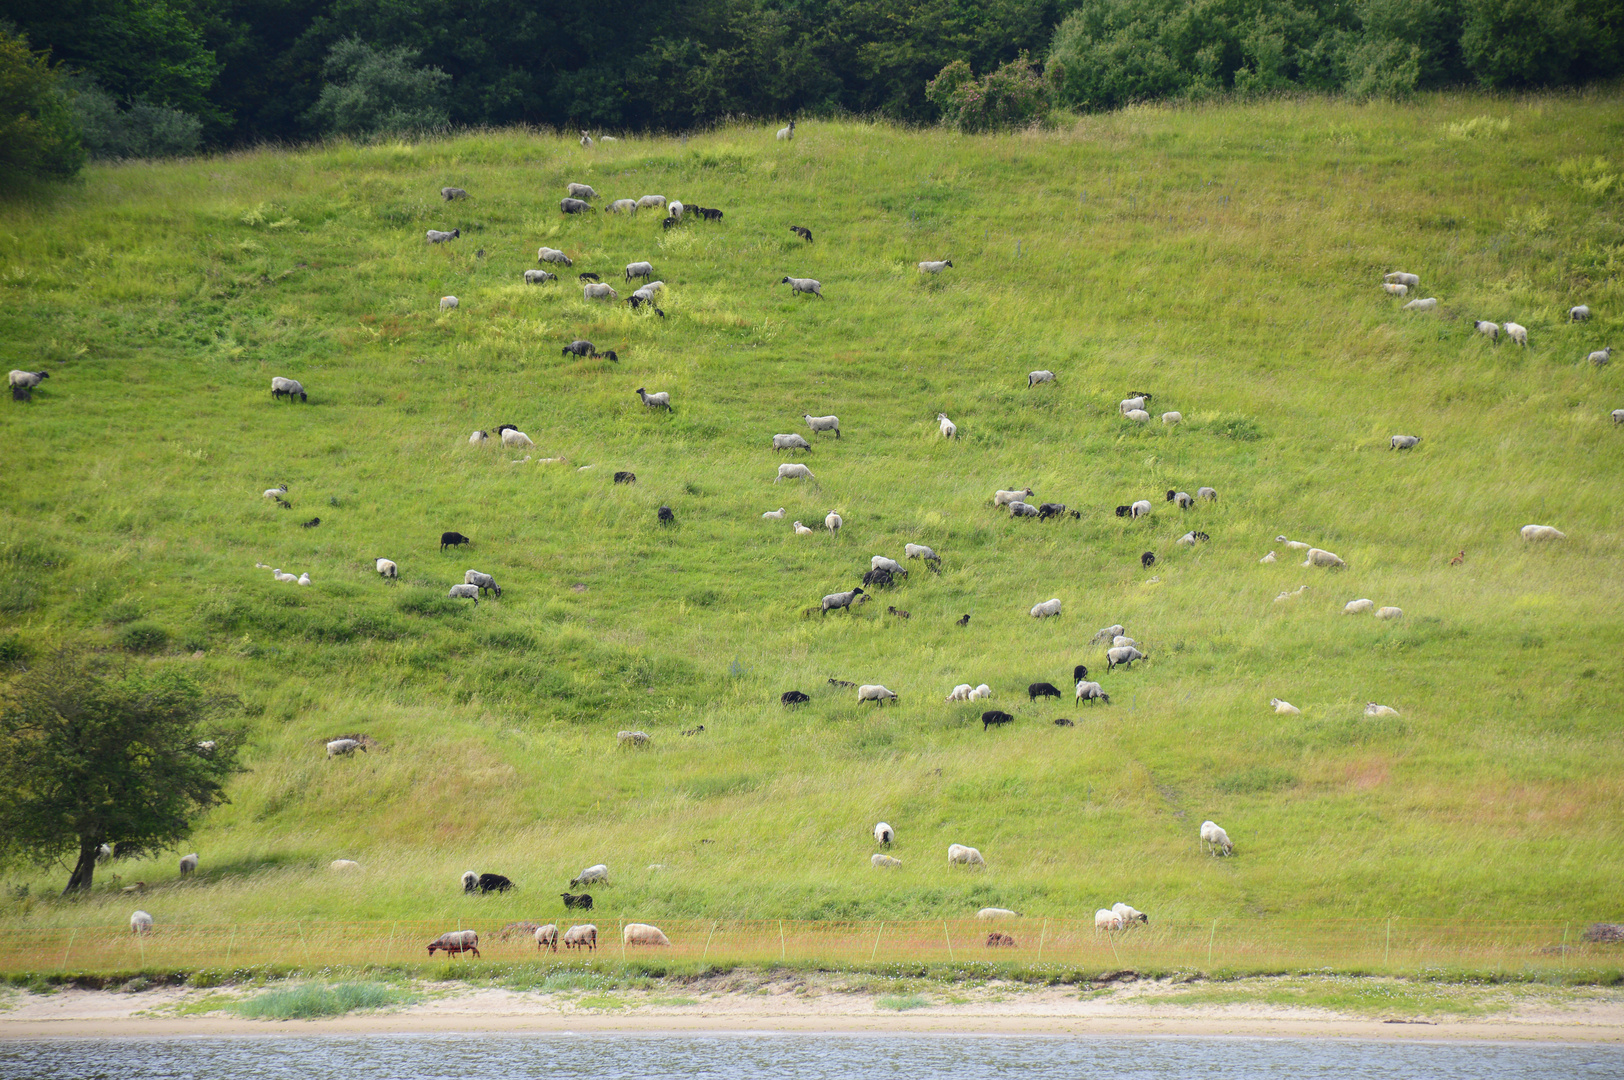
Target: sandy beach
(829, 1005)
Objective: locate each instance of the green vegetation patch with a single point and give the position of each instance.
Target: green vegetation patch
(312, 1000)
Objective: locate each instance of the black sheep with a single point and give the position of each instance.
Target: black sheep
(21, 393)
(666, 516)
(963, 620)
(1079, 673)
(993, 717)
(804, 234)
(1124, 511)
(700, 730)
(793, 697)
(311, 524)
(589, 276)
(879, 577)
(625, 478)
(1061, 721)
(452, 539)
(843, 682)
(1148, 559)
(579, 347)
(1041, 689)
(488, 883)
(1049, 510)
(583, 901)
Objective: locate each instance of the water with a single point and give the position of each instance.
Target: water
(802, 1057)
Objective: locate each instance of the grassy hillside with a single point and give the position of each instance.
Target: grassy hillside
(1225, 259)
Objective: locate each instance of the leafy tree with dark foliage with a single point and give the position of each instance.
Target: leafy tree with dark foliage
(93, 756)
(37, 136)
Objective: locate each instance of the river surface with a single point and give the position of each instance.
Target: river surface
(801, 1057)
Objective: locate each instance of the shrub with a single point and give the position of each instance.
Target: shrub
(143, 637)
(38, 140)
(1013, 96)
(140, 130)
(309, 1000)
(369, 92)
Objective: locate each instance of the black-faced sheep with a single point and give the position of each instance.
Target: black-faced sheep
(793, 697)
(625, 477)
(1147, 559)
(577, 900)
(993, 718)
(803, 233)
(666, 516)
(1041, 689)
(485, 883)
(452, 539)
(455, 942)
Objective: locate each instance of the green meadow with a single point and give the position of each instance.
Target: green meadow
(1227, 259)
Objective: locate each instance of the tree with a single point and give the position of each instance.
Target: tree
(37, 135)
(95, 757)
(370, 92)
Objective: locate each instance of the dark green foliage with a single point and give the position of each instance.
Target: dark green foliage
(372, 92)
(37, 137)
(144, 130)
(1013, 96)
(144, 637)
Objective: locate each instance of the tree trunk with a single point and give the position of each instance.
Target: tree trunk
(86, 870)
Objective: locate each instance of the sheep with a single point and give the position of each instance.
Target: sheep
(1128, 915)
(666, 516)
(276, 492)
(1207, 493)
(304, 579)
(884, 835)
(1091, 692)
(920, 551)
(1295, 545)
(801, 231)
(27, 380)
(774, 515)
(599, 292)
(1356, 607)
(1428, 304)
(833, 521)
(1035, 377)
(581, 937)
(547, 937)
(880, 562)
(1285, 708)
(1041, 689)
(981, 692)
(453, 539)
(596, 872)
(996, 913)
(1213, 837)
(804, 285)
(465, 592)
(791, 442)
(785, 134)
(1487, 329)
(1542, 532)
(1390, 613)
(1401, 278)
(1269, 558)
(1106, 634)
(482, 582)
(582, 902)
(1403, 442)
(286, 579)
(661, 400)
(345, 747)
(1192, 538)
(449, 193)
(456, 942)
(632, 738)
(1004, 498)
(1318, 557)
(1182, 498)
(949, 429)
(1618, 416)
(877, 694)
(140, 923)
(960, 692)
(1373, 709)
(1291, 594)
(649, 201)
(1517, 333)
(1080, 672)
(1123, 655)
(1172, 418)
(1046, 609)
(644, 270)
(959, 855)
(995, 940)
(929, 267)
(1139, 509)
(637, 933)
(291, 387)
(586, 141)
(1127, 405)
(1022, 509)
(674, 210)
(1601, 356)
(484, 883)
(553, 255)
(995, 718)
(1121, 640)
(1395, 290)
(1578, 314)
(1053, 510)
(1106, 919)
(883, 862)
(573, 206)
(836, 601)
(622, 206)
(104, 853)
(624, 477)
(789, 697)
(580, 191)
(386, 568)
(794, 471)
(822, 423)
(448, 303)
(538, 277)
(512, 436)
(435, 236)
(1138, 416)
(188, 863)
(801, 530)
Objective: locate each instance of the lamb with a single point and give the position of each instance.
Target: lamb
(1356, 607)
(949, 429)
(1139, 509)
(1041, 689)
(599, 292)
(1214, 838)
(836, 601)
(538, 277)
(304, 579)
(104, 853)
(581, 937)
(1138, 416)
(291, 387)
(883, 862)
(465, 592)
(449, 193)
(286, 579)
(804, 285)
(1390, 613)
(622, 206)
(632, 738)
(1373, 709)
(1121, 640)
(586, 141)
(1295, 545)
(482, 582)
(597, 872)
(1580, 313)
(785, 134)
(1035, 377)
(276, 492)
(929, 267)
(1107, 633)
(1402, 278)
(624, 477)
(960, 692)
(1124, 655)
(1061, 721)
(1285, 708)
(1193, 537)
(1317, 557)
(884, 835)
(666, 516)
(435, 236)
(573, 206)
(793, 697)
(1542, 532)
(801, 530)
(1206, 493)
(801, 231)
(833, 521)
(582, 901)
(1128, 915)
(1004, 498)
(553, 255)
(580, 347)
(1601, 356)
(1269, 558)
(188, 863)
(675, 210)
(485, 883)
(959, 855)
(1428, 304)
(27, 380)
(1022, 509)
(995, 718)
(512, 436)
(1046, 609)
(1172, 418)
(1091, 692)
(774, 515)
(822, 423)
(1517, 333)
(345, 747)
(1395, 290)
(343, 866)
(1106, 919)
(644, 270)
(790, 442)
(794, 471)
(1053, 510)
(1487, 329)
(547, 937)
(661, 400)
(453, 539)
(448, 303)
(643, 934)
(996, 913)
(1403, 442)
(877, 694)
(140, 923)
(920, 551)
(580, 191)
(1182, 498)
(649, 201)
(1127, 405)
(456, 942)
(980, 692)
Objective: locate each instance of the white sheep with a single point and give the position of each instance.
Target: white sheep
(293, 388)
(1390, 613)
(644, 270)
(1207, 493)
(1172, 418)
(27, 380)
(1004, 498)
(997, 913)
(930, 267)
(547, 937)
(286, 579)
(584, 936)
(1046, 609)
(140, 923)
(553, 255)
(1578, 314)
(599, 872)
(580, 191)
(1357, 607)
(104, 853)
(386, 568)
(807, 285)
(1317, 557)
(786, 133)
(675, 210)
(1601, 356)
(1428, 304)
(661, 400)
(1035, 377)
(482, 582)
(960, 692)
(650, 201)
(465, 592)
(586, 141)
(791, 442)
(1215, 838)
(883, 862)
(1542, 532)
(276, 492)
(188, 863)
(344, 747)
(1138, 416)
(1191, 538)
(1373, 709)
(1121, 655)
(840, 600)
(884, 834)
(1295, 545)
(512, 436)
(1269, 558)
(1395, 289)
(1127, 405)
(435, 236)
(623, 206)
(1091, 692)
(343, 865)
(1107, 633)
(632, 738)
(597, 290)
(1106, 919)
(959, 855)
(1123, 639)
(774, 515)
(448, 303)
(948, 428)
(1618, 416)
(1403, 442)
(833, 521)
(1285, 708)
(822, 423)
(794, 470)
(801, 530)
(1291, 594)
(1487, 329)
(304, 579)
(1023, 509)
(479, 438)
(1129, 915)
(637, 933)
(880, 562)
(1517, 332)
(981, 692)
(538, 277)
(1401, 278)
(645, 293)
(920, 551)
(1139, 509)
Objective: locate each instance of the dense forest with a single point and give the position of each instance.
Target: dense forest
(151, 75)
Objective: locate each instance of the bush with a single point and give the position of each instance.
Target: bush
(143, 130)
(371, 93)
(1013, 96)
(144, 637)
(38, 140)
(310, 1000)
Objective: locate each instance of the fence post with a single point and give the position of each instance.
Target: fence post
(1209, 944)
(949, 942)
(1045, 932)
(707, 943)
(69, 949)
(876, 949)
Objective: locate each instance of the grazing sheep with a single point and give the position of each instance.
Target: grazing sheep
(485, 883)
(1403, 442)
(1395, 290)
(456, 942)
(1079, 672)
(994, 718)
(1138, 416)
(573, 206)
(884, 835)
(1121, 640)
(1373, 709)
(624, 477)
(538, 277)
(800, 530)
(465, 592)
(1138, 401)
(1285, 708)
(581, 191)
(929, 267)
(547, 937)
(1172, 418)
(785, 134)
(622, 206)
(1356, 607)
(833, 521)
(637, 933)
(822, 423)
(1123, 655)
(1517, 333)
(632, 738)
(949, 429)
(666, 516)
(482, 582)
(345, 747)
(1601, 356)
(599, 292)
(884, 862)
(644, 270)
(580, 347)
(997, 913)
(1128, 915)
(435, 236)
(553, 255)
(1428, 304)
(1618, 416)
(650, 201)
(920, 551)
(790, 442)
(1182, 498)
(661, 400)
(1390, 613)
(291, 387)
(794, 471)
(1106, 634)
(597, 872)
(876, 693)
(448, 303)
(1139, 509)
(674, 210)
(1035, 377)
(188, 863)
(1542, 532)
(1214, 838)
(1578, 314)
(1106, 919)
(959, 855)
(1053, 510)
(1487, 329)
(583, 901)
(1317, 557)
(1091, 692)
(581, 937)
(1269, 558)
(1046, 609)
(1401, 278)
(960, 692)
(140, 923)
(276, 492)
(793, 697)
(980, 692)
(512, 436)
(449, 193)
(804, 285)
(1004, 498)
(802, 232)
(995, 940)
(452, 539)
(1021, 509)
(27, 380)
(1041, 689)
(1192, 538)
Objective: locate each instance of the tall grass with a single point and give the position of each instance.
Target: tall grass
(1223, 258)
(310, 1000)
